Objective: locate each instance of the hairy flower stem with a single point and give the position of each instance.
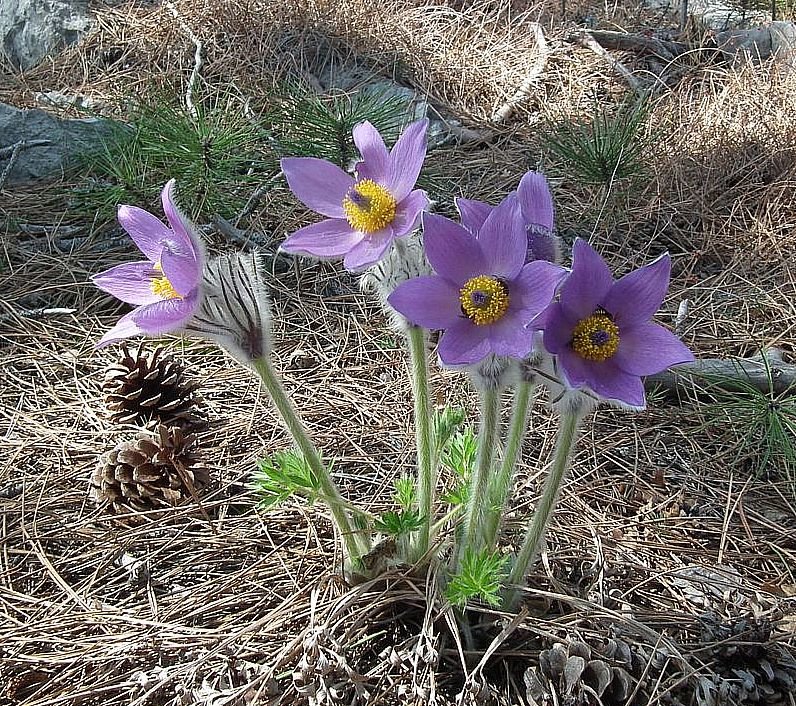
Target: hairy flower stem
(565, 445)
(356, 544)
(501, 482)
(472, 537)
(425, 443)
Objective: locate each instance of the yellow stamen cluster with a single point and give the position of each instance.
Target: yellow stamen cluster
(484, 299)
(596, 337)
(161, 287)
(369, 206)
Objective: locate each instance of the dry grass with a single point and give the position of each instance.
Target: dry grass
(658, 525)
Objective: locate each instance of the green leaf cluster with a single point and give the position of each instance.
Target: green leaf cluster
(399, 524)
(218, 155)
(306, 124)
(459, 455)
(481, 576)
(283, 474)
(765, 419)
(405, 492)
(609, 145)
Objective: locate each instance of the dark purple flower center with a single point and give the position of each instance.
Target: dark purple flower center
(479, 298)
(359, 200)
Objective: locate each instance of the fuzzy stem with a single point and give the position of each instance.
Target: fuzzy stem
(356, 544)
(474, 512)
(501, 482)
(565, 445)
(425, 442)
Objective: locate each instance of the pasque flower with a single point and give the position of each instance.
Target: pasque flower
(165, 288)
(483, 294)
(364, 214)
(600, 329)
(536, 205)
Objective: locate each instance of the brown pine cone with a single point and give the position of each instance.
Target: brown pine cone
(150, 386)
(150, 473)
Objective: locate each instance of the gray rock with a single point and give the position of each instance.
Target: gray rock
(776, 39)
(33, 29)
(63, 139)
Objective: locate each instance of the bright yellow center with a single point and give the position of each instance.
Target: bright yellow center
(484, 299)
(369, 206)
(596, 337)
(161, 287)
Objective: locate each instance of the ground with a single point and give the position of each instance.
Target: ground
(674, 538)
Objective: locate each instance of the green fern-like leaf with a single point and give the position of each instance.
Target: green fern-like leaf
(283, 474)
(481, 575)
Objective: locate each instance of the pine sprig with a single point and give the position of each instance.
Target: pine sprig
(309, 125)
(481, 576)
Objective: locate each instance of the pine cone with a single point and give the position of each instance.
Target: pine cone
(150, 473)
(146, 387)
(748, 666)
(563, 671)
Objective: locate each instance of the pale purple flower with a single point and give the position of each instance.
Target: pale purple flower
(600, 329)
(165, 288)
(364, 214)
(536, 205)
(483, 294)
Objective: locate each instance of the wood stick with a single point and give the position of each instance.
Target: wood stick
(728, 375)
(586, 40)
(505, 111)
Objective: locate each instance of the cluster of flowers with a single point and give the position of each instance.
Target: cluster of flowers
(491, 284)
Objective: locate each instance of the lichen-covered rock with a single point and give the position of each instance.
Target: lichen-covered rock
(49, 142)
(30, 30)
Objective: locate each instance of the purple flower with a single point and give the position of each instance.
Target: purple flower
(536, 204)
(483, 294)
(364, 214)
(600, 329)
(165, 288)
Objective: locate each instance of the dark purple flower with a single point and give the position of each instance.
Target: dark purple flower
(600, 329)
(364, 214)
(536, 204)
(165, 288)
(483, 294)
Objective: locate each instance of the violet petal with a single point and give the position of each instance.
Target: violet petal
(166, 315)
(534, 287)
(509, 337)
(375, 157)
(463, 343)
(329, 238)
(613, 383)
(147, 232)
(130, 282)
(648, 348)
(183, 272)
(406, 159)
(558, 328)
(318, 184)
(182, 241)
(503, 241)
(588, 283)
(369, 250)
(472, 213)
(635, 297)
(124, 328)
(408, 213)
(536, 201)
(453, 252)
(428, 301)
